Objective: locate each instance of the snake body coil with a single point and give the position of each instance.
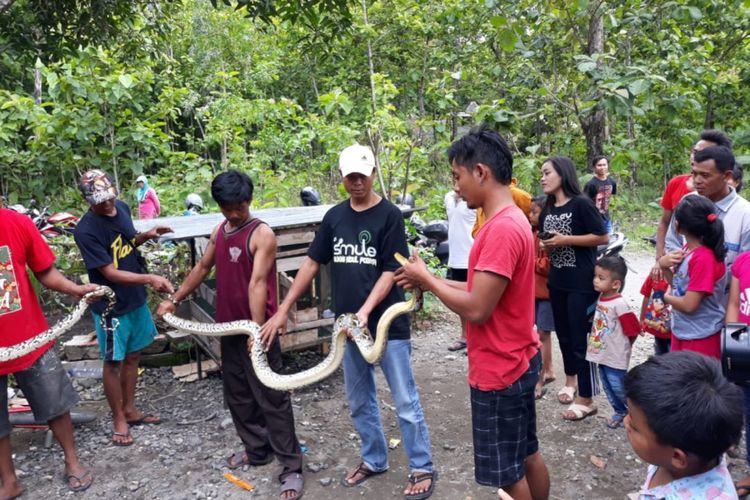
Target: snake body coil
(27, 346)
(371, 349)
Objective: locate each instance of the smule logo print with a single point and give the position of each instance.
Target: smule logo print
(561, 256)
(10, 300)
(359, 253)
(364, 237)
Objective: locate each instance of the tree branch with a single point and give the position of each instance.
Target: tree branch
(5, 5)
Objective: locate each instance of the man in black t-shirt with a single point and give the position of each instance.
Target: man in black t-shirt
(601, 188)
(107, 240)
(359, 237)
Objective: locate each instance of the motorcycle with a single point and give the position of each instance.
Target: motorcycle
(50, 225)
(617, 242)
(432, 235)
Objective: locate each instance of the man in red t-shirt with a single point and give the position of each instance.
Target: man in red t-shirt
(39, 374)
(498, 303)
(680, 185)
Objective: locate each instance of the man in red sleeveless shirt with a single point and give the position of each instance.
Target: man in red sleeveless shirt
(243, 249)
(498, 303)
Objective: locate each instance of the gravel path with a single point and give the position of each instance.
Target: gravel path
(180, 459)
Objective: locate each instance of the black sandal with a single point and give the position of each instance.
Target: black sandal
(362, 470)
(418, 477)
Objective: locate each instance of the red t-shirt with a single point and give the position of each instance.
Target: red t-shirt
(500, 349)
(21, 315)
(677, 187)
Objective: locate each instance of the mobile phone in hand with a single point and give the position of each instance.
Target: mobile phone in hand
(545, 235)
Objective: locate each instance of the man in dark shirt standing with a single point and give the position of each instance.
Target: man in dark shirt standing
(107, 240)
(360, 237)
(601, 188)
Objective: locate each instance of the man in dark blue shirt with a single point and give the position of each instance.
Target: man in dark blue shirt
(107, 240)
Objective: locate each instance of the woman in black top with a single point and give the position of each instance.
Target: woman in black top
(571, 230)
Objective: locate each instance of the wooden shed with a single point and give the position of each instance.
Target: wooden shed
(310, 319)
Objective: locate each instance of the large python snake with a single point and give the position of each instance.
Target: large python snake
(371, 349)
(27, 346)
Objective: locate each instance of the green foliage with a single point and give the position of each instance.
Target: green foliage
(180, 91)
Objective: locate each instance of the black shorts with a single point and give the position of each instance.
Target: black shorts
(504, 429)
(457, 274)
(45, 386)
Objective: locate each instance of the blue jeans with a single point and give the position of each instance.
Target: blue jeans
(661, 346)
(361, 394)
(613, 381)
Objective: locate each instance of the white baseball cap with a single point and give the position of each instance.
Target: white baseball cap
(356, 159)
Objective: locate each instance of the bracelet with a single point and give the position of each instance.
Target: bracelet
(174, 301)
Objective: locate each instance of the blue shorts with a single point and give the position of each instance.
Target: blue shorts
(544, 319)
(131, 332)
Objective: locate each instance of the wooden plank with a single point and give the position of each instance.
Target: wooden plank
(285, 281)
(299, 316)
(182, 371)
(290, 263)
(311, 324)
(280, 254)
(299, 340)
(294, 237)
(207, 292)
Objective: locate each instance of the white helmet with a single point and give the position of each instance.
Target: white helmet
(193, 200)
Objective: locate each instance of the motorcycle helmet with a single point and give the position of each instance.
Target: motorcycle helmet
(407, 200)
(193, 200)
(309, 196)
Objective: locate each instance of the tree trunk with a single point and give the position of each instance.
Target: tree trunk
(631, 163)
(710, 119)
(594, 123)
(37, 86)
(631, 121)
(370, 62)
(374, 140)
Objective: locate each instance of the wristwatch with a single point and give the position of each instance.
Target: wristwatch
(174, 301)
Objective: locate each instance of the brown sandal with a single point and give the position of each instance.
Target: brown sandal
(362, 470)
(418, 477)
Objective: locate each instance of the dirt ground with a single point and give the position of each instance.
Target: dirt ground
(180, 459)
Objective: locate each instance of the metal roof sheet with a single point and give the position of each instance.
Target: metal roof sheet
(194, 226)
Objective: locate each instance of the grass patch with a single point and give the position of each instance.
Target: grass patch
(636, 212)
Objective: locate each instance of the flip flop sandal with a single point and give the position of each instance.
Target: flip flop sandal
(540, 393)
(146, 419)
(615, 421)
(361, 470)
(83, 485)
(241, 459)
(743, 490)
(418, 477)
(293, 482)
(127, 439)
(457, 345)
